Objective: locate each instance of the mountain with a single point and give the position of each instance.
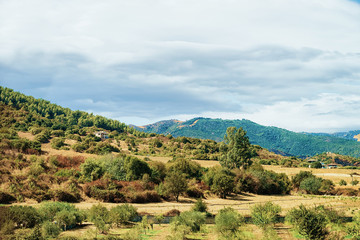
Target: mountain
(273, 138)
(350, 135)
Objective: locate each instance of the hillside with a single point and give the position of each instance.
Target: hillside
(273, 138)
(350, 135)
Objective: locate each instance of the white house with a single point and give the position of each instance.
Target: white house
(102, 134)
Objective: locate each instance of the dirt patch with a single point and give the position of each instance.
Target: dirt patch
(26, 135)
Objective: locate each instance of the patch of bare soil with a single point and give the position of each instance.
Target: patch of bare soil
(26, 135)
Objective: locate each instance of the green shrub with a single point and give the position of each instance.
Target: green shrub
(342, 182)
(50, 230)
(331, 215)
(265, 214)
(200, 206)
(24, 216)
(57, 143)
(298, 178)
(308, 222)
(190, 168)
(66, 213)
(228, 222)
(190, 219)
(99, 215)
(354, 182)
(316, 165)
(260, 181)
(311, 185)
(327, 186)
(122, 214)
(91, 169)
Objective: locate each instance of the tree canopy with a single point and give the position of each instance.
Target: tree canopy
(238, 151)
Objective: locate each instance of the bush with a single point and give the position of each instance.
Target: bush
(57, 143)
(311, 185)
(316, 165)
(260, 181)
(24, 216)
(191, 169)
(99, 215)
(298, 178)
(354, 182)
(122, 214)
(50, 230)
(353, 228)
(200, 206)
(327, 186)
(265, 214)
(91, 170)
(308, 222)
(228, 222)
(331, 215)
(66, 213)
(104, 191)
(342, 182)
(190, 219)
(143, 197)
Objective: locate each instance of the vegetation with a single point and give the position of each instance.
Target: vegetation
(277, 139)
(266, 214)
(308, 222)
(121, 169)
(228, 223)
(237, 151)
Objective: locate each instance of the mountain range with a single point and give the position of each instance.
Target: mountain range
(275, 139)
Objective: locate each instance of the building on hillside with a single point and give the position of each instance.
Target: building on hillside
(333, 165)
(102, 134)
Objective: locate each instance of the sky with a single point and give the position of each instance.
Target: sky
(292, 64)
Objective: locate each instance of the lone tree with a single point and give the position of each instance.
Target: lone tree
(238, 151)
(175, 184)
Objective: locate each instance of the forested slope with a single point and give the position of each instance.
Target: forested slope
(272, 138)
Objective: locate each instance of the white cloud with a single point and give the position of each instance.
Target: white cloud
(146, 60)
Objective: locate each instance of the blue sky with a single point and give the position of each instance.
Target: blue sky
(285, 63)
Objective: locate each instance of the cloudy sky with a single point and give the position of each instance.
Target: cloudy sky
(293, 64)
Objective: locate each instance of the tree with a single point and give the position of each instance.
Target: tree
(316, 165)
(238, 151)
(175, 183)
(223, 184)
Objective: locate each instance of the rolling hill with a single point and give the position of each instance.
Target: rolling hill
(275, 139)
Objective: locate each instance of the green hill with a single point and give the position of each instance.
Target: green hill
(272, 138)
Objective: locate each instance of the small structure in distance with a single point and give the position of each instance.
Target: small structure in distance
(102, 134)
